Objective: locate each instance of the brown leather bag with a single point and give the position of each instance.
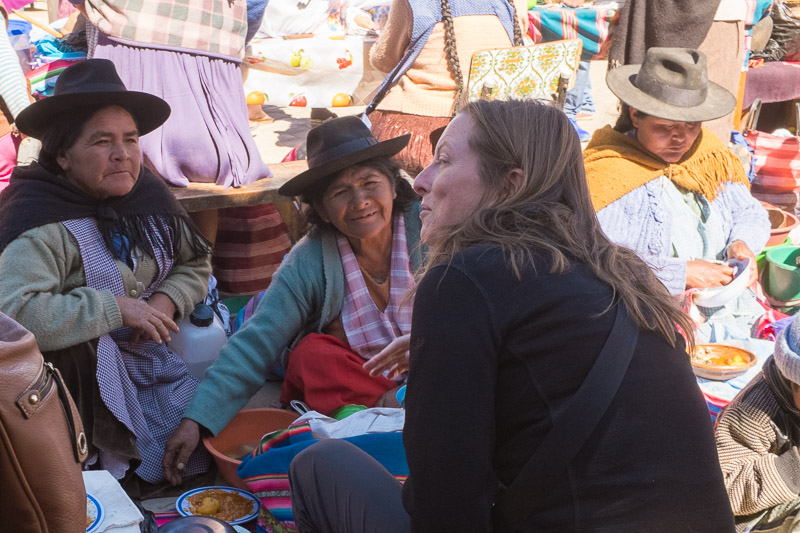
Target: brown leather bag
(42, 443)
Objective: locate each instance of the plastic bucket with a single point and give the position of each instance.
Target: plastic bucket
(18, 33)
(783, 274)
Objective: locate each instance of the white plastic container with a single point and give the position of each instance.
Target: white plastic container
(199, 341)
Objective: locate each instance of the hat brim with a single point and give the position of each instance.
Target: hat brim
(718, 103)
(300, 184)
(148, 110)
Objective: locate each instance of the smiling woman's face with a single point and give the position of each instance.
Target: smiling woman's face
(105, 159)
(359, 204)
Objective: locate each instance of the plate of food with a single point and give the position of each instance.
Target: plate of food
(721, 362)
(94, 513)
(235, 506)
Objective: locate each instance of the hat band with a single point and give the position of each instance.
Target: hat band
(341, 150)
(670, 95)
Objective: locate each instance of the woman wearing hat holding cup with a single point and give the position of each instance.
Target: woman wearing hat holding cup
(99, 261)
(337, 298)
(671, 190)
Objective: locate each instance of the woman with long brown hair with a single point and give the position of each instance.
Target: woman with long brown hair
(549, 388)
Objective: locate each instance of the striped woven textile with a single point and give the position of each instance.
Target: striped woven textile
(591, 25)
(266, 469)
(251, 243)
(776, 162)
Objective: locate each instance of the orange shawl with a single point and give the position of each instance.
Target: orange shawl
(616, 164)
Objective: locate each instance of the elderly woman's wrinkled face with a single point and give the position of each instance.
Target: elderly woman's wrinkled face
(450, 186)
(106, 158)
(668, 139)
(359, 204)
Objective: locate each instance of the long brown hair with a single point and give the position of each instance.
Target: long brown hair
(550, 212)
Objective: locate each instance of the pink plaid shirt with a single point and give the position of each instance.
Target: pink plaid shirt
(368, 329)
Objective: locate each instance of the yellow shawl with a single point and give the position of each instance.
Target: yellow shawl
(616, 164)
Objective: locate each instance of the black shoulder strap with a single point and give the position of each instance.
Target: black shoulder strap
(572, 428)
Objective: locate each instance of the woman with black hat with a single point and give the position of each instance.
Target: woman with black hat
(99, 261)
(337, 299)
(670, 189)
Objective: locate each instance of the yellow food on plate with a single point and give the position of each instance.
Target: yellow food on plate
(208, 506)
(718, 356)
(222, 504)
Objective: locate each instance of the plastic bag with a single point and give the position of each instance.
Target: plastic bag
(784, 43)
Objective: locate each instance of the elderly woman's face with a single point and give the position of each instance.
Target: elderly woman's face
(359, 204)
(106, 158)
(450, 186)
(667, 139)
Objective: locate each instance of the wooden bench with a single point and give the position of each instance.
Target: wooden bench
(209, 196)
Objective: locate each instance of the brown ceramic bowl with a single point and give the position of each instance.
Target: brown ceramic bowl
(782, 222)
(706, 361)
(241, 435)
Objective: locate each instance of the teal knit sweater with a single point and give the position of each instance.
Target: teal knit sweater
(305, 295)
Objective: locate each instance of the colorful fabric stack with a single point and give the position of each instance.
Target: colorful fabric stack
(266, 469)
(591, 25)
(43, 79)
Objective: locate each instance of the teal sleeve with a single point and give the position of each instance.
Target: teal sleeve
(293, 299)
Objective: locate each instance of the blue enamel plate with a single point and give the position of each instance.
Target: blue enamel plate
(183, 506)
(94, 512)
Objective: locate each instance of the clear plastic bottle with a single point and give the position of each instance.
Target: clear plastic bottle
(199, 341)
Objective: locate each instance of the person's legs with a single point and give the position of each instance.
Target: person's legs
(326, 374)
(336, 487)
(576, 97)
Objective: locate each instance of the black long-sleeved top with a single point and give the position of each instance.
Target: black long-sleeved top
(492, 357)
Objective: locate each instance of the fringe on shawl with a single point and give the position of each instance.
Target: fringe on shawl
(616, 164)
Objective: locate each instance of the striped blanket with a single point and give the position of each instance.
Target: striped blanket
(591, 25)
(266, 469)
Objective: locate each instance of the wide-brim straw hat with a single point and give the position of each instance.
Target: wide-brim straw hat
(335, 145)
(672, 84)
(92, 83)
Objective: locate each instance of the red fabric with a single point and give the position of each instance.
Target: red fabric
(326, 374)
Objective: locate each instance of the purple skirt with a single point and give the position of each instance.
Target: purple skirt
(207, 137)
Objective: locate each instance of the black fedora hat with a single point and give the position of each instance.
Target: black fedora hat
(672, 84)
(335, 145)
(92, 83)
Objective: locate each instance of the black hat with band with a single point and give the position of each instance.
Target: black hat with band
(335, 145)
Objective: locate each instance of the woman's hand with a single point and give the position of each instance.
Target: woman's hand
(146, 321)
(739, 250)
(179, 447)
(393, 358)
(704, 274)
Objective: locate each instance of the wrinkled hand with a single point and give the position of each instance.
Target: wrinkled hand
(146, 321)
(703, 275)
(179, 447)
(393, 358)
(739, 250)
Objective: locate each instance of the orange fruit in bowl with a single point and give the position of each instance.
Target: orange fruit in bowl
(256, 98)
(341, 100)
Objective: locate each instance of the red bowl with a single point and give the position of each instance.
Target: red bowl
(241, 435)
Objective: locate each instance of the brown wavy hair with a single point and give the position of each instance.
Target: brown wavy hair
(550, 211)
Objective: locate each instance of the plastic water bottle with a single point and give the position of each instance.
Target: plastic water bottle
(199, 341)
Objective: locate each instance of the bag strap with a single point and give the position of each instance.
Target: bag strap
(572, 428)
